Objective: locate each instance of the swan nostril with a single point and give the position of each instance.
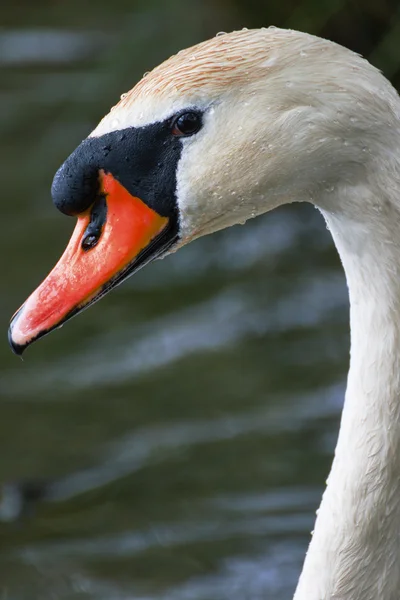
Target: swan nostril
(89, 241)
(95, 228)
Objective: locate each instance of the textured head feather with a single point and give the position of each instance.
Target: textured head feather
(224, 59)
(225, 62)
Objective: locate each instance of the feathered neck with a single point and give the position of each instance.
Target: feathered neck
(355, 549)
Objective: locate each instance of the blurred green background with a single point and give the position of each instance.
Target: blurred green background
(172, 442)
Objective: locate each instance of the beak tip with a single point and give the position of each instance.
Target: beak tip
(15, 347)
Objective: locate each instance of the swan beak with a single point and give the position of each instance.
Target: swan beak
(116, 236)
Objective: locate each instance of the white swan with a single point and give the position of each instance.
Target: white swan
(220, 133)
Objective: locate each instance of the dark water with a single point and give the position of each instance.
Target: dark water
(181, 430)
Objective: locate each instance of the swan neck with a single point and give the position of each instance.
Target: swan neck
(354, 552)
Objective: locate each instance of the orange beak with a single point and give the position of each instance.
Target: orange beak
(112, 239)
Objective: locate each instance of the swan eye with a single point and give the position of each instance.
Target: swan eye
(187, 124)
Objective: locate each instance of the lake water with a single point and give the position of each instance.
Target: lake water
(173, 441)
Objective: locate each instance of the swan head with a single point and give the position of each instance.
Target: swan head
(217, 134)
